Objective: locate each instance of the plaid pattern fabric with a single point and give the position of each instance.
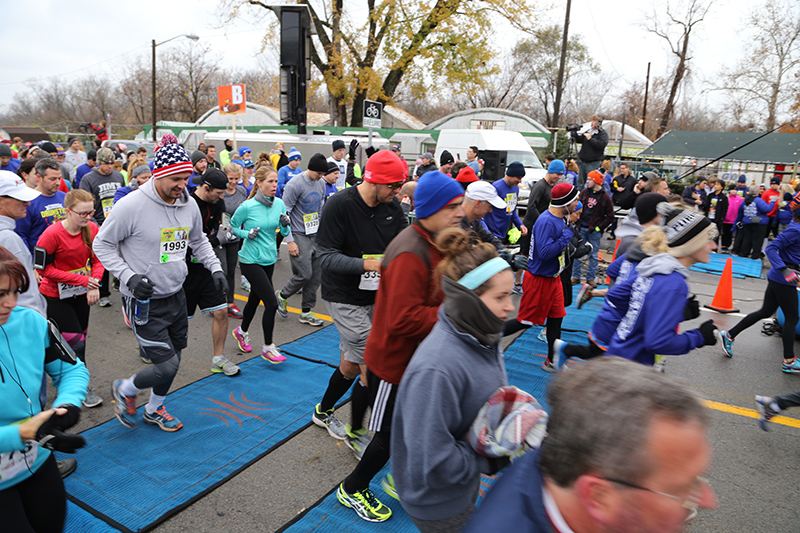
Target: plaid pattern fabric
(510, 423)
(170, 158)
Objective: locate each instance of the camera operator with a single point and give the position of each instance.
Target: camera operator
(594, 141)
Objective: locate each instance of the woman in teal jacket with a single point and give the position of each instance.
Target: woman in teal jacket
(32, 494)
(256, 222)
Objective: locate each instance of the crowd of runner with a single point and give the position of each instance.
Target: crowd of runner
(415, 268)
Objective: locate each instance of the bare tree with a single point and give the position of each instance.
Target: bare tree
(190, 74)
(764, 82)
(675, 25)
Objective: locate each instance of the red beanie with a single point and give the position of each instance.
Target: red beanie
(385, 167)
(466, 175)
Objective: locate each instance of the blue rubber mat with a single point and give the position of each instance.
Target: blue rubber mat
(322, 346)
(80, 521)
(138, 477)
(742, 266)
(583, 318)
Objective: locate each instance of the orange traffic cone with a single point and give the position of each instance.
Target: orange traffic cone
(613, 257)
(723, 298)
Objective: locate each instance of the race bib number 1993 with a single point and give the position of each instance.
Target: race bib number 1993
(174, 242)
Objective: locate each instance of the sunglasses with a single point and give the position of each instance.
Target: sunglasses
(395, 185)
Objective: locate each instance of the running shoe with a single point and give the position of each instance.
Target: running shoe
(329, 421)
(517, 290)
(387, 484)
(542, 336)
(727, 343)
(766, 411)
(234, 312)
(357, 440)
(162, 419)
(104, 302)
(223, 366)
(67, 466)
(547, 366)
(125, 317)
(124, 406)
(558, 353)
(364, 503)
(92, 399)
(310, 319)
(245, 284)
(243, 339)
(145, 360)
(283, 304)
(584, 295)
(791, 368)
(272, 354)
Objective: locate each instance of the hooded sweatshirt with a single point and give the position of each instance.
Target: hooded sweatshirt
(32, 298)
(148, 236)
(629, 228)
(734, 201)
(449, 379)
(655, 308)
(783, 252)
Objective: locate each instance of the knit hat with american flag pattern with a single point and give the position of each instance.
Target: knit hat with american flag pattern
(170, 158)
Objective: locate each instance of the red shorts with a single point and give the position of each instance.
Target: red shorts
(542, 298)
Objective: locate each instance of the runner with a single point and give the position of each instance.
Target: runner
(144, 243)
(542, 301)
(47, 208)
(784, 257)
(199, 286)
(256, 222)
(72, 273)
(479, 199)
(139, 172)
(359, 223)
(406, 307)
(228, 252)
(304, 197)
(102, 183)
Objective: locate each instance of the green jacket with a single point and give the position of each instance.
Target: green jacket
(253, 214)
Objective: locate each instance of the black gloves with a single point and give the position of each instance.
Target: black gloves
(285, 220)
(516, 262)
(351, 154)
(51, 433)
(707, 329)
(141, 287)
(220, 283)
(692, 308)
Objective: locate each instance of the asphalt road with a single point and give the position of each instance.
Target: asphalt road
(753, 472)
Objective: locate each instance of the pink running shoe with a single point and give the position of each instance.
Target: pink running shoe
(272, 354)
(243, 339)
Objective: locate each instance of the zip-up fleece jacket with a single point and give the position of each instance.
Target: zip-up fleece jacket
(253, 214)
(734, 201)
(406, 302)
(130, 241)
(655, 308)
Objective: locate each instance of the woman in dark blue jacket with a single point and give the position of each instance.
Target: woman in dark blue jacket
(751, 224)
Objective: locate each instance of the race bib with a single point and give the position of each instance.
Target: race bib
(511, 202)
(370, 280)
(174, 242)
(12, 463)
(226, 222)
(107, 204)
(562, 263)
(311, 222)
(713, 209)
(68, 291)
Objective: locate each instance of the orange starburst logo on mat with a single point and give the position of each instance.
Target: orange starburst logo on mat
(235, 409)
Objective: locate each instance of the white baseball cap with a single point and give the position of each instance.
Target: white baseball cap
(13, 186)
(482, 190)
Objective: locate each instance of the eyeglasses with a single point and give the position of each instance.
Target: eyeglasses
(85, 214)
(692, 503)
(395, 185)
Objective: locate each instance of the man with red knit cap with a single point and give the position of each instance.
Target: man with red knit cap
(542, 300)
(356, 226)
(406, 304)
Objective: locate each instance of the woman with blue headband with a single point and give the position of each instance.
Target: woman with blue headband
(451, 376)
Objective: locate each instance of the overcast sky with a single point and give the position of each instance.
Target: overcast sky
(71, 40)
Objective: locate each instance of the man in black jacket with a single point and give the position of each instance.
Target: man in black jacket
(626, 188)
(594, 141)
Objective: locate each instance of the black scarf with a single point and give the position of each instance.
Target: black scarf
(469, 314)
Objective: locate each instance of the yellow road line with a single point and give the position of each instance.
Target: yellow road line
(294, 310)
(750, 413)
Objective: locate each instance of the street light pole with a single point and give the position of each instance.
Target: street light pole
(188, 36)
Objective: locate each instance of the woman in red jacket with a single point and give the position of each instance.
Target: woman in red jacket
(70, 279)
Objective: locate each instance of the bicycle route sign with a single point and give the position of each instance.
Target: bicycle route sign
(372, 114)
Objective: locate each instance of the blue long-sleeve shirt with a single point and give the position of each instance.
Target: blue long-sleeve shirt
(498, 220)
(21, 370)
(784, 251)
(284, 175)
(43, 211)
(549, 239)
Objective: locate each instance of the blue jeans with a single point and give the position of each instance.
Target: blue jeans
(593, 237)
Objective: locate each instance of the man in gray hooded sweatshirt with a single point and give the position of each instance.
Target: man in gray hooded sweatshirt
(144, 242)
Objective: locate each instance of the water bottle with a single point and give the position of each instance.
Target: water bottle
(142, 312)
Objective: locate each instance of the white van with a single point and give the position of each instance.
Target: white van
(497, 148)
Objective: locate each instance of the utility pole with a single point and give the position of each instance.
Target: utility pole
(646, 89)
(561, 66)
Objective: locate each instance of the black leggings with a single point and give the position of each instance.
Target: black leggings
(105, 291)
(228, 255)
(583, 351)
(777, 295)
(261, 290)
(36, 505)
(71, 315)
(553, 326)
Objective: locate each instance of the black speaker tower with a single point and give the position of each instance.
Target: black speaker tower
(295, 64)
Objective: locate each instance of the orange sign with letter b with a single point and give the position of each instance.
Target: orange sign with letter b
(231, 99)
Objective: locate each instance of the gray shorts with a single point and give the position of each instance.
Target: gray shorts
(353, 322)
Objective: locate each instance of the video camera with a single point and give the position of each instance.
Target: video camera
(573, 128)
